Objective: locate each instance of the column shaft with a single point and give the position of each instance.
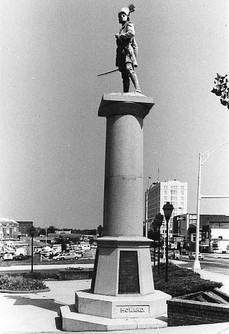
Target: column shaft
(123, 201)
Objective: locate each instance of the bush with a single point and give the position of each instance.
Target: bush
(181, 281)
(19, 283)
(41, 275)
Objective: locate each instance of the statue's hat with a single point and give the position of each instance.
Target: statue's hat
(124, 10)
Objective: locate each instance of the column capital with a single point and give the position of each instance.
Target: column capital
(125, 104)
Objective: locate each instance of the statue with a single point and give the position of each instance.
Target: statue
(127, 50)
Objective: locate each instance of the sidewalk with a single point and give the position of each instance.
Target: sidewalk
(38, 312)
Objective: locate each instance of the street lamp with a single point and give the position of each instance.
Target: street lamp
(32, 232)
(168, 209)
(202, 158)
(157, 226)
(146, 212)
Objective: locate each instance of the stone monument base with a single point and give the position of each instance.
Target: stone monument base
(122, 267)
(122, 294)
(93, 312)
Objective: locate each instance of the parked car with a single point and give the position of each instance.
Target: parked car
(192, 256)
(20, 257)
(46, 254)
(7, 256)
(85, 247)
(67, 256)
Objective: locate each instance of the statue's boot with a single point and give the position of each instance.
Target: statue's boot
(126, 81)
(126, 86)
(135, 81)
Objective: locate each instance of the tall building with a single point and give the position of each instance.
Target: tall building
(159, 193)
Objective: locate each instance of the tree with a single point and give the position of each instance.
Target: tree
(42, 231)
(61, 240)
(221, 89)
(51, 229)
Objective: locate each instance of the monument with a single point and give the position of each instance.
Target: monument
(122, 294)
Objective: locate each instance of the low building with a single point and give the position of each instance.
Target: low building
(9, 229)
(214, 231)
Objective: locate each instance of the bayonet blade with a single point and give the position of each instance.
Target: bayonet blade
(99, 75)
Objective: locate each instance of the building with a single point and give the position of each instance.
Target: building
(183, 224)
(9, 229)
(24, 227)
(159, 193)
(214, 231)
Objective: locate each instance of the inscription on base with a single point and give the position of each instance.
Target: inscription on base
(132, 309)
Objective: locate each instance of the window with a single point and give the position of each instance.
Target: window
(173, 192)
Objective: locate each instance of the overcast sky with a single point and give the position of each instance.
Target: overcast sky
(52, 140)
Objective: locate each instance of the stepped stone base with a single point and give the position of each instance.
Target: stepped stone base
(93, 312)
(77, 322)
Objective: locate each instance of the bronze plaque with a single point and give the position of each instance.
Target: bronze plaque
(128, 272)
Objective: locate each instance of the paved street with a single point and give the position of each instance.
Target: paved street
(217, 263)
(25, 265)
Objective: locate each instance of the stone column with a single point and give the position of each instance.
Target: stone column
(123, 250)
(123, 200)
(122, 294)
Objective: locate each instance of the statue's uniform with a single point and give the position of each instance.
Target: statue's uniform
(127, 47)
(126, 56)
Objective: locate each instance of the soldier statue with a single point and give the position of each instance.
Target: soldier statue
(127, 50)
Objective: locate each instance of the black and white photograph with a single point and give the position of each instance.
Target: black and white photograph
(114, 169)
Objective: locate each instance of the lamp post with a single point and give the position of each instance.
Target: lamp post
(168, 209)
(146, 212)
(32, 232)
(202, 158)
(164, 237)
(156, 235)
(158, 222)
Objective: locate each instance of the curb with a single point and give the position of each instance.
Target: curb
(25, 291)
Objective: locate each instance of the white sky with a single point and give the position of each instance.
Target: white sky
(52, 141)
